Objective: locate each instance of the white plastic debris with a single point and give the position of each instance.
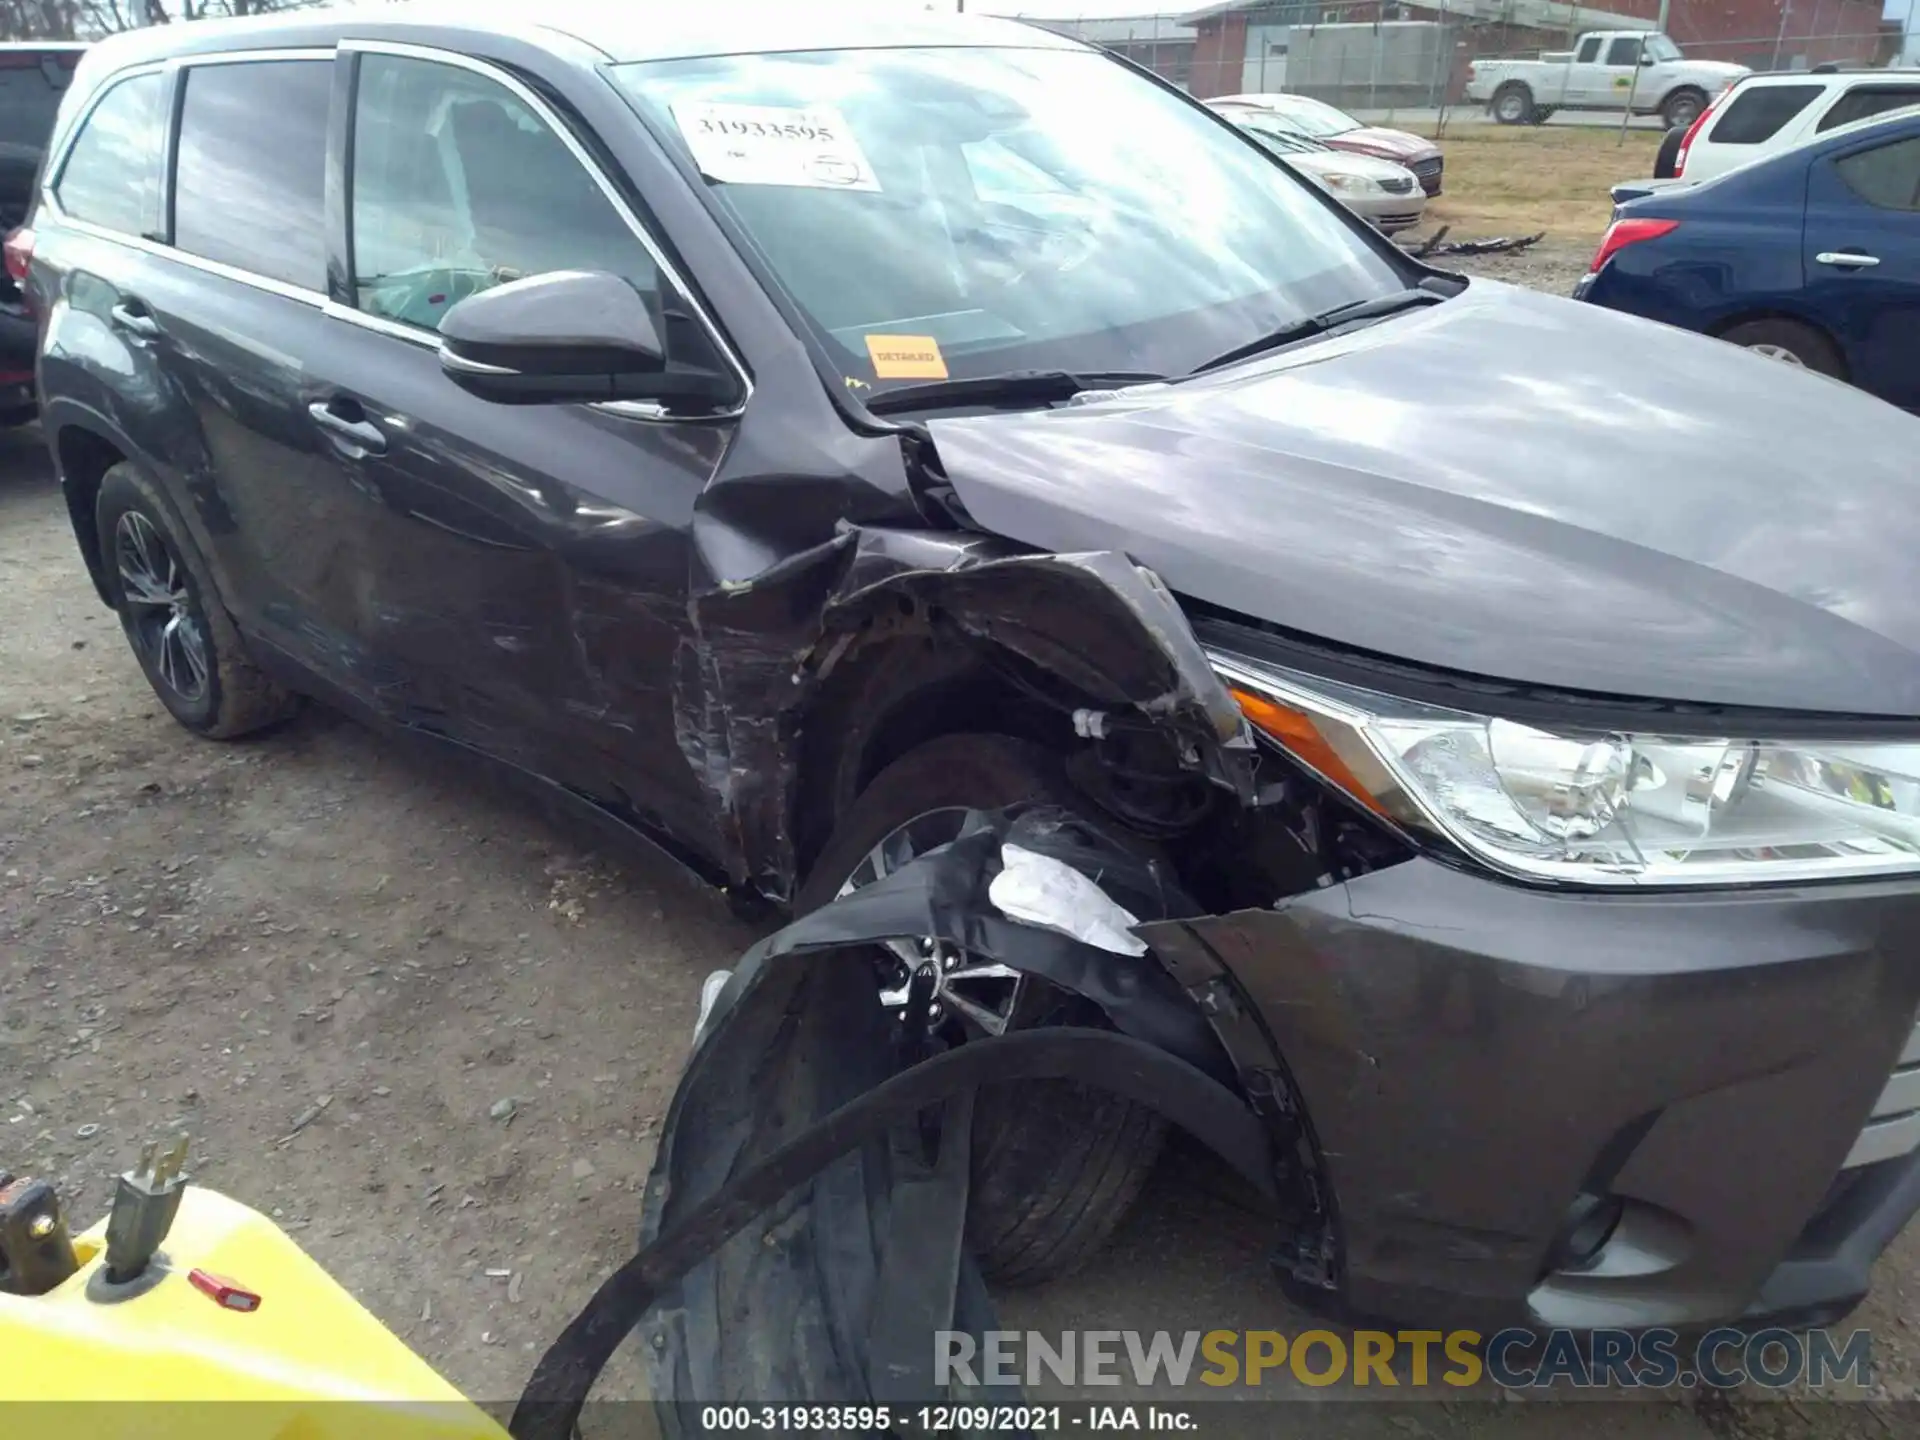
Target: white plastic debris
(710, 990)
(1040, 890)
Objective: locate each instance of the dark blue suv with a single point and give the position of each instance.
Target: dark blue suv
(1811, 257)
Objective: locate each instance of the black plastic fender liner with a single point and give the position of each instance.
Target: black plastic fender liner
(803, 1233)
(943, 895)
(1215, 1115)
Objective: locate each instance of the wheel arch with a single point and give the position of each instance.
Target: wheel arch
(1718, 329)
(900, 630)
(85, 446)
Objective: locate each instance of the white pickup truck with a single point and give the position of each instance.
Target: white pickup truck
(1604, 71)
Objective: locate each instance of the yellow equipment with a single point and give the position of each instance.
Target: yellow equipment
(229, 1332)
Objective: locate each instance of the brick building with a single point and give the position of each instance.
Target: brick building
(1411, 46)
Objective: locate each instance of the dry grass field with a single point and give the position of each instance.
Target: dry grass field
(1504, 181)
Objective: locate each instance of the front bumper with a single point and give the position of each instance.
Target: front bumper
(1389, 213)
(1474, 1057)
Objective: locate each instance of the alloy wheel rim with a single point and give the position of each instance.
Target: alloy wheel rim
(963, 995)
(1511, 107)
(167, 628)
(1780, 353)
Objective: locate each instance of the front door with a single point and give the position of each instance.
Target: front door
(526, 581)
(1862, 259)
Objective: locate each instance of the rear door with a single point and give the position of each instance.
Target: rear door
(1862, 257)
(232, 316)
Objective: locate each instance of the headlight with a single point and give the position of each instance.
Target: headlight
(1594, 807)
(1340, 180)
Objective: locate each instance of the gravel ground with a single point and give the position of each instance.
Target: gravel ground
(478, 1018)
(1554, 266)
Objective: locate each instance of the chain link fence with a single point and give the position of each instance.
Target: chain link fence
(1379, 59)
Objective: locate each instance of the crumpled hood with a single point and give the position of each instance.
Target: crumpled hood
(1507, 485)
(1389, 144)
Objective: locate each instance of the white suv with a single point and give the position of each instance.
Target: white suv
(1763, 114)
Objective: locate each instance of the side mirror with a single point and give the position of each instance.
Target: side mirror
(1646, 59)
(568, 337)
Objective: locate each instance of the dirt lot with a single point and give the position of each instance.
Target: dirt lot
(1504, 181)
(434, 1033)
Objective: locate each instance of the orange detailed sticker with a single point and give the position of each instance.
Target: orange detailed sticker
(906, 357)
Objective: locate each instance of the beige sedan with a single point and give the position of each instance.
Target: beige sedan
(1379, 191)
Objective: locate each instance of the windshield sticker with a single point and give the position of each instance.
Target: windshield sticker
(906, 357)
(774, 145)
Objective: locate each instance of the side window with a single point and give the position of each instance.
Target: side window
(112, 173)
(1624, 51)
(1868, 100)
(249, 185)
(458, 186)
(1758, 112)
(1589, 51)
(1887, 175)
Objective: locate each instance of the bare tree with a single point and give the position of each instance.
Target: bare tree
(85, 19)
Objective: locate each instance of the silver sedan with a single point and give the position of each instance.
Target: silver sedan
(1379, 191)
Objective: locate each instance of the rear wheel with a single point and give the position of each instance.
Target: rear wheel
(1056, 1166)
(173, 618)
(1513, 104)
(1789, 342)
(1680, 109)
(1666, 160)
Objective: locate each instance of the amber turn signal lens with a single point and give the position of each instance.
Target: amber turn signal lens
(1295, 731)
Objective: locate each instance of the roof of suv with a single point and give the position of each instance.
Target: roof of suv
(1843, 73)
(621, 30)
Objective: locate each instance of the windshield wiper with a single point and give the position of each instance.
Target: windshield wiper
(1009, 387)
(1374, 309)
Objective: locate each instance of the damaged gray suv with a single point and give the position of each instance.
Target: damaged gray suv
(792, 436)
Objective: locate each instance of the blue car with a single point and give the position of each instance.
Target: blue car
(1811, 257)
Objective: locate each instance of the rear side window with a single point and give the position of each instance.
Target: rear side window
(1887, 175)
(1589, 51)
(458, 186)
(1868, 100)
(250, 181)
(112, 173)
(1758, 112)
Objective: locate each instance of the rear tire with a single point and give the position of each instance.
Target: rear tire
(1056, 1166)
(174, 619)
(1666, 161)
(1680, 109)
(1512, 104)
(1789, 342)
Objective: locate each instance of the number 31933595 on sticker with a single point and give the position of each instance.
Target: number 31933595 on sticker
(774, 145)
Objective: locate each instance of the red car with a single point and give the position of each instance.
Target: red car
(1320, 121)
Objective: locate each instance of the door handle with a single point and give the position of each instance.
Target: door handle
(135, 320)
(1847, 259)
(361, 435)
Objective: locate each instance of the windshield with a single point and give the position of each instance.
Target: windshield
(1660, 48)
(1315, 117)
(1275, 133)
(944, 213)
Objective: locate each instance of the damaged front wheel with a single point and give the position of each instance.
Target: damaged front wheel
(1056, 1166)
